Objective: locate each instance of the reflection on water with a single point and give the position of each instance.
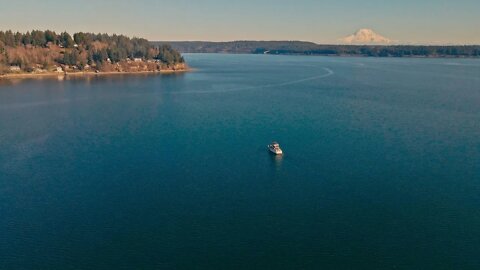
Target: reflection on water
(86, 77)
(277, 161)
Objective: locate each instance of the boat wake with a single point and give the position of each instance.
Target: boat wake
(328, 73)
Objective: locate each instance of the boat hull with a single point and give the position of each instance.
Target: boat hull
(275, 151)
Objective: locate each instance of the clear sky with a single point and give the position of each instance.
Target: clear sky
(322, 21)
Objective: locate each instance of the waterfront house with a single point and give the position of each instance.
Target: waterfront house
(15, 69)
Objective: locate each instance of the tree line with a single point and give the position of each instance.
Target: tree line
(385, 51)
(310, 48)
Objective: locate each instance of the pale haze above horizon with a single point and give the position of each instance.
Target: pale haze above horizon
(322, 21)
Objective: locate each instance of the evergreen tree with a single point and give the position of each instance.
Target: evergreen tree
(38, 38)
(80, 38)
(66, 40)
(27, 39)
(51, 36)
(9, 38)
(2, 37)
(71, 58)
(18, 39)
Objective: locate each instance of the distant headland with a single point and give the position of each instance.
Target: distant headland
(310, 48)
(45, 53)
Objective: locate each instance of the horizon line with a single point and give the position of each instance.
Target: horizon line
(327, 44)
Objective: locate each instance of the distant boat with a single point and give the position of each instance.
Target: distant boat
(274, 147)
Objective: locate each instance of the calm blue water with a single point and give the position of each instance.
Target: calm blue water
(381, 167)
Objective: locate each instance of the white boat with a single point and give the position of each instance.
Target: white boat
(274, 147)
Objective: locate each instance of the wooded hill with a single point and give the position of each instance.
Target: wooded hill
(46, 51)
(310, 48)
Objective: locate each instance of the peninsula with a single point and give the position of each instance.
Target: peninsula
(40, 53)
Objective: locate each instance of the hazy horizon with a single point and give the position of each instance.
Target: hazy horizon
(325, 22)
(321, 43)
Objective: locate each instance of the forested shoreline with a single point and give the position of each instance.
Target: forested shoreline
(310, 48)
(39, 52)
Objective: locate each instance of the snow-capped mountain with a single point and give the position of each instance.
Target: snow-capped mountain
(366, 36)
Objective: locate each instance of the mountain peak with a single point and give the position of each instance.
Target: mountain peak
(366, 36)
